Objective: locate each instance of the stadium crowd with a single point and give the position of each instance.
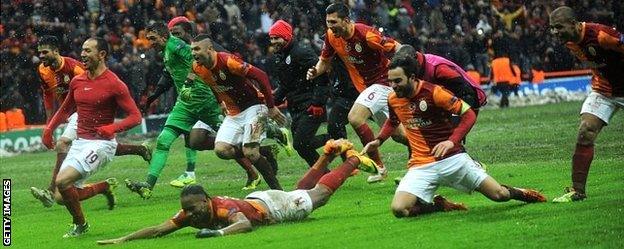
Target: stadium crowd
(468, 32)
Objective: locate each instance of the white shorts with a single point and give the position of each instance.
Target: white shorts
(71, 129)
(203, 126)
(245, 127)
(459, 172)
(375, 98)
(602, 106)
(285, 206)
(88, 156)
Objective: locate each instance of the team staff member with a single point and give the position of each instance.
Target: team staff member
(502, 75)
(602, 48)
(306, 98)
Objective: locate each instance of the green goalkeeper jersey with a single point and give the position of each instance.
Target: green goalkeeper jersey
(179, 62)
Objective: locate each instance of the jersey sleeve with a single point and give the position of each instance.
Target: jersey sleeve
(237, 66)
(78, 70)
(446, 100)
(377, 41)
(125, 101)
(328, 50)
(180, 219)
(47, 80)
(611, 40)
(446, 72)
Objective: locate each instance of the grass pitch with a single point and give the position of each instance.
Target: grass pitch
(524, 147)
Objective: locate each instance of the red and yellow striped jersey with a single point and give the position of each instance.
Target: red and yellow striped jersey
(364, 54)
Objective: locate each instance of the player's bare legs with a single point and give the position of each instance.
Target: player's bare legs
(589, 129)
(202, 139)
(47, 196)
(358, 115)
(252, 152)
(327, 184)
(130, 149)
(405, 204)
(502, 193)
(227, 151)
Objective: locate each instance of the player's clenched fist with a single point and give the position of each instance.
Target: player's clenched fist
(107, 131)
(46, 138)
(207, 233)
(312, 73)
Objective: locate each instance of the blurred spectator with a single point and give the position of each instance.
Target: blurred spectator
(462, 30)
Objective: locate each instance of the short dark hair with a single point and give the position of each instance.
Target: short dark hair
(187, 27)
(340, 8)
(406, 51)
(193, 189)
(201, 37)
(50, 41)
(408, 64)
(158, 28)
(101, 44)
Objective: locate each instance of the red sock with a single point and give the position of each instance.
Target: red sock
(420, 208)
(70, 197)
(248, 167)
(60, 157)
(583, 156)
(91, 190)
(129, 149)
(334, 179)
(309, 180)
(366, 135)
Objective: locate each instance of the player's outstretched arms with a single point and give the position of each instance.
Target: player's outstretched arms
(321, 67)
(238, 224)
(149, 232)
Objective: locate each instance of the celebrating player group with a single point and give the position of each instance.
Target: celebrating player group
(225, 104)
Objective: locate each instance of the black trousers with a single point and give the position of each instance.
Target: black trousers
(304, 127)
(337, 119)
(505, 90)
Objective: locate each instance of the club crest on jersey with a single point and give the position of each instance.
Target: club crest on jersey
(222, 75)
(358, 47)
(288, 60)
(422, 105)
(66, 79)
(591, 50)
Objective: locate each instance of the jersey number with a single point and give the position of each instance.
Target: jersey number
(371, 96)
(92, 157)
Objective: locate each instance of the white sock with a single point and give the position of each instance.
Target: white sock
(190, 174)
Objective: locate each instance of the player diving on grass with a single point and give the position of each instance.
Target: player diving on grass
(219, 216)
(438, 157)
(56, 72)
(96, 96)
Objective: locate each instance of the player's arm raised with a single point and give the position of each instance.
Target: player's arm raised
(165, 228)
(238, 224)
